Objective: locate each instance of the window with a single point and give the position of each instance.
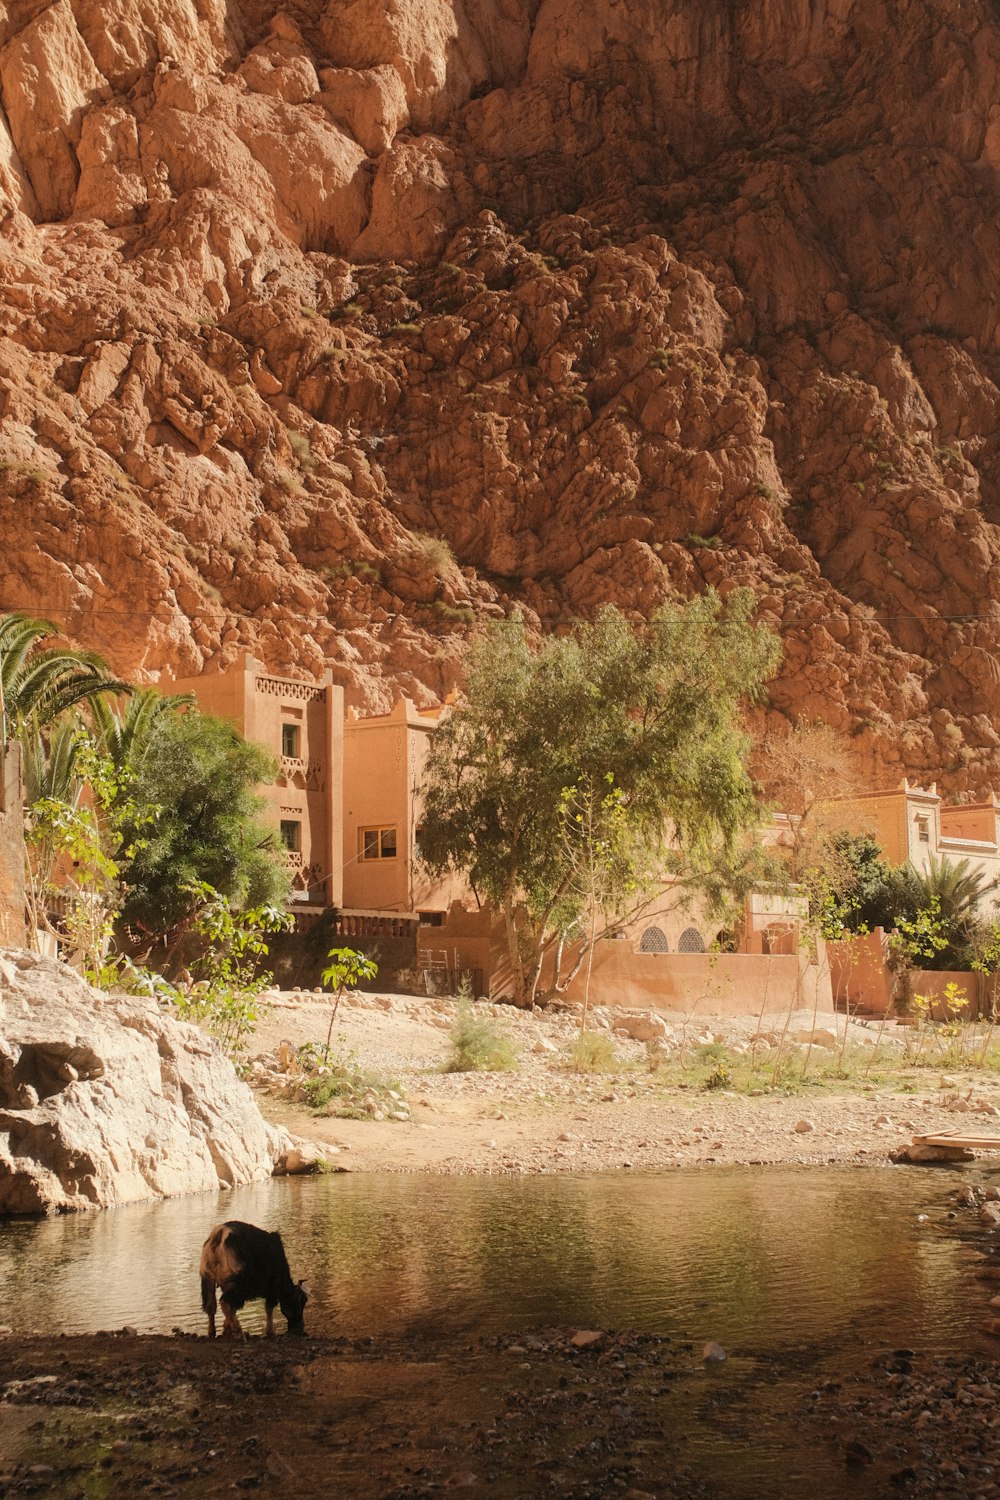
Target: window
(691, 941)
(654, 941)
(377, 843)
(432, 919)
(923, 830)
(290, 741)
(291, 834)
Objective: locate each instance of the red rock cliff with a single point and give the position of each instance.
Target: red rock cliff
(328, 329)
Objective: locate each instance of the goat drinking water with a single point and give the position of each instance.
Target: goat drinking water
(245, 1262)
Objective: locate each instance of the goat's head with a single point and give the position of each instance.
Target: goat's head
(294, 1305)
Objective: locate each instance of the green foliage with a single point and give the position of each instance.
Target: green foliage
(434, 552)
(346, 969)
(124, 730)
(954, 1041)
(656, 707)
(341, 1087)
(229, 979)
(955, 890)
(203, 776)
(868, 895)
(592, 1052)
(921, 937)
(455, 614)
(719, 1078)
(478, 1043)
(76, 852)
(902, 899)
(38, 683)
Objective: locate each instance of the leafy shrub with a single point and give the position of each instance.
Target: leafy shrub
(593, 1052)
(478, 1043)
(434, 552)
(343, 1088)
(226, 998)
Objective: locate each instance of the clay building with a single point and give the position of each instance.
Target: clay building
(384, 758)
(912, 823)
(302, 725)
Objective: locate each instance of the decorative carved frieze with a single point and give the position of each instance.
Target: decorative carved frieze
(276, 687)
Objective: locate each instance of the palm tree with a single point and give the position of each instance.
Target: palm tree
(955, 890)
(37, 683)
(958, 886)
(124, 730)
(49, 761)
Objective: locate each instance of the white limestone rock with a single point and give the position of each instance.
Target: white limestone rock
(106, 1100)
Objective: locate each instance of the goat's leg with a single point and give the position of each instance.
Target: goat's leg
(231, 1328)
(208, 1302)
(269, 1327)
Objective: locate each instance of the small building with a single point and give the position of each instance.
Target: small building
(384, 759)
(913, 823)
(302, 725)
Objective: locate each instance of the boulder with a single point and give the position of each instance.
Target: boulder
(104, 1099)
(920, 1153)
(641, 1028)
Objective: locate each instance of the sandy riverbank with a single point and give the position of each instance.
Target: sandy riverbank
(544, 1117)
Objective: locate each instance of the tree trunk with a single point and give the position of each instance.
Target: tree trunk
(514, 953)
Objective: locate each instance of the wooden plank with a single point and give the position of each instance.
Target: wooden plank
(959, 1138)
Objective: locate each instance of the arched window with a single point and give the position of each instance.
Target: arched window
(654, 941)
(691, 941)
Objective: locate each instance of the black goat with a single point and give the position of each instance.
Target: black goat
(245, 1262)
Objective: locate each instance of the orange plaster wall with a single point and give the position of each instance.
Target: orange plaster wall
(712, 983)
(861, 979)
(978, 821)
(859, 975)
(377, 795)
(384, 759)
(933, 983)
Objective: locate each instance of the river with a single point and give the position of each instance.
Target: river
(743, 1256)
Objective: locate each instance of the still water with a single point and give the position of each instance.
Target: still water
(753, 1258)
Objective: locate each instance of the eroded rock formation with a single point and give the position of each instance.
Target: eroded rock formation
(328, 330)
(104, 1100)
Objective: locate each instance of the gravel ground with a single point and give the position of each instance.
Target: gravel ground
(543, 1117)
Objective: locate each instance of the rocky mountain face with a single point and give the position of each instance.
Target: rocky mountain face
(329, 328)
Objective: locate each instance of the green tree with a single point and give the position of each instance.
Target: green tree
(76, 850)
(226, 997)
(347, 967)
(124, 730)
(655, 706)
(201, 776)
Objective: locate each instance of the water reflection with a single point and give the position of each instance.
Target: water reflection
(751, 1257)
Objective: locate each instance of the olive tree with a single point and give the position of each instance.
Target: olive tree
(638, 725)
